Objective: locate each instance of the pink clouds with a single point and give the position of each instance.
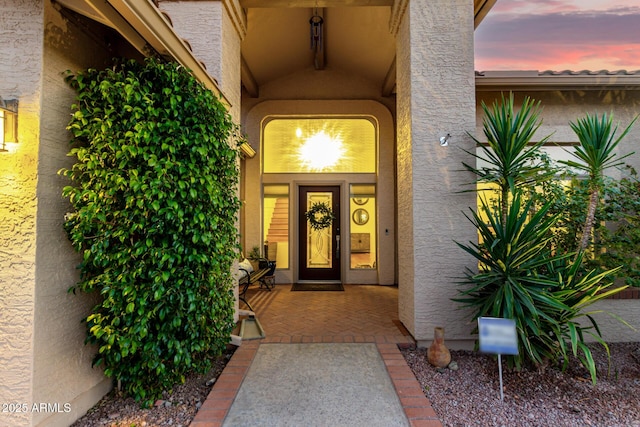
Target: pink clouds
(559, 35)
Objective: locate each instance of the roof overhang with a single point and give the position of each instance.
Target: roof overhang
(144, 26)
(480, 9)
(551, 80)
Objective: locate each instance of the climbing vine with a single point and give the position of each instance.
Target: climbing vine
(154, 216)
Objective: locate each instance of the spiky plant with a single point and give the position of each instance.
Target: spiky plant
(509, 153)
(595, 153)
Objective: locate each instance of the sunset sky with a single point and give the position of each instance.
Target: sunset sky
(559, 35)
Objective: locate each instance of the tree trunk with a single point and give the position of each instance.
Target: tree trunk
(590, 219)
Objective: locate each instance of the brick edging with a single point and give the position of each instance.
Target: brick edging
(629, 293)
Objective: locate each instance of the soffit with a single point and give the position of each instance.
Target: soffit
(359, 38)
(143, 25)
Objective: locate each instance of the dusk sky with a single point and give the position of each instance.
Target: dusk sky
(559, 35)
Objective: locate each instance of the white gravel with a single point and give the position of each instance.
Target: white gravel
(470, 396)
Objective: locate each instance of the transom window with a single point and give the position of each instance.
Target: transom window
(319, 145)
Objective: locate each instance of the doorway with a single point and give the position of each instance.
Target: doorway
(320, 247)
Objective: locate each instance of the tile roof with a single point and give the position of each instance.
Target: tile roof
(558, 80)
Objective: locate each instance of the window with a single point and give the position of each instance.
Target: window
(362, 214)
(276, 224)
(319, 145)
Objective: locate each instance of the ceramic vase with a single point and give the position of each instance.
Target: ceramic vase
(438, 353)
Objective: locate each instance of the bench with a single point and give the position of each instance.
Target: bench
(248, 278)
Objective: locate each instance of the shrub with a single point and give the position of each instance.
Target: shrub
(525, 273)
(545, 294)
(154, 217)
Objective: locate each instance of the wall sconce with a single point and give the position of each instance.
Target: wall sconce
(444, 140)
(247, 151)
(8, 122)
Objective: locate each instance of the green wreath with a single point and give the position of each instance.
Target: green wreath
(319, 216)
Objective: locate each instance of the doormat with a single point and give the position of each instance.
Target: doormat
(317, 287)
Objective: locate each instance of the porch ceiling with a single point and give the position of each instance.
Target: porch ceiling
(358, 39)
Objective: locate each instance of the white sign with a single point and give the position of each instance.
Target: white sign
(498, 335)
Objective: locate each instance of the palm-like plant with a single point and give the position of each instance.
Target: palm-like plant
(520, 279)
(577, 291)
(509, 285)
(509, 153)
(595, 153)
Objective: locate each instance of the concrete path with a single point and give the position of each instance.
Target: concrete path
(327, 359)
(317, 385)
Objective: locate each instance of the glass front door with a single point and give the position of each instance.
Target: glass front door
(319, 240)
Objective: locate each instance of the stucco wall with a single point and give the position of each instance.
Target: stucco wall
(436, 93)
(404, 178)
(561, 107)
(214, 40)
(21, 26)
(62, 362)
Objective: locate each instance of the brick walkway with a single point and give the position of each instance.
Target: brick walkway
(359, 314)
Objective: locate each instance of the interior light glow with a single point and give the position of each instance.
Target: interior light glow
(321, 151)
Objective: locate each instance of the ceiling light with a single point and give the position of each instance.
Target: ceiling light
(321, 151)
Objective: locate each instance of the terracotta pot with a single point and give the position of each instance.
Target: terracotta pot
(438, 353)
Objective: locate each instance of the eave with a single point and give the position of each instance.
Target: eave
(550, 80)
(143, 25)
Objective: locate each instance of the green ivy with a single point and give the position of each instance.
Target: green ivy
(155, 208)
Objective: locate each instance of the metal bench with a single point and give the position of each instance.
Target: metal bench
(265, 270)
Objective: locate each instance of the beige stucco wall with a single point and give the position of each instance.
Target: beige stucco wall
(22, 22)
(44, 359)
(214, 31)
(436, 90)
(62, 362)
(561, 107)
(214, 36)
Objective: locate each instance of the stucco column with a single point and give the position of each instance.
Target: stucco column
(436, 97)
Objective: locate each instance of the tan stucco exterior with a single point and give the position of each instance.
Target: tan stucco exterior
(435, 97)
(43, 358)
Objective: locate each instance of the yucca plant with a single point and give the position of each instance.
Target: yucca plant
(510, 282)
(577, 291)
(520, 278)
(595, 153)
(510, 155)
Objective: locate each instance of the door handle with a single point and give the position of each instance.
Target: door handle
(337, 246)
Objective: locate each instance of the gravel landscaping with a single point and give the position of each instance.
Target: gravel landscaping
(468, 396)
(175, 409)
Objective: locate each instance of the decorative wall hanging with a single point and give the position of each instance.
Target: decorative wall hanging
(320, 216)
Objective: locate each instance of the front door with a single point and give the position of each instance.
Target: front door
(319, 246)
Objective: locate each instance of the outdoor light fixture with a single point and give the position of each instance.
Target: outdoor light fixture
(8, 122)
(444, 140)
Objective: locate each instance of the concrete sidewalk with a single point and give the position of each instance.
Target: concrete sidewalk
(321, 365)
(317, 385)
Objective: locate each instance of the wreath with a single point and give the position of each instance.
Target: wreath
(319, 216)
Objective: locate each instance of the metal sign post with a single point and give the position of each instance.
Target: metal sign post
(498, 336)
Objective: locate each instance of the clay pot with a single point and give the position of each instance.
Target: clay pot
(438, 353)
